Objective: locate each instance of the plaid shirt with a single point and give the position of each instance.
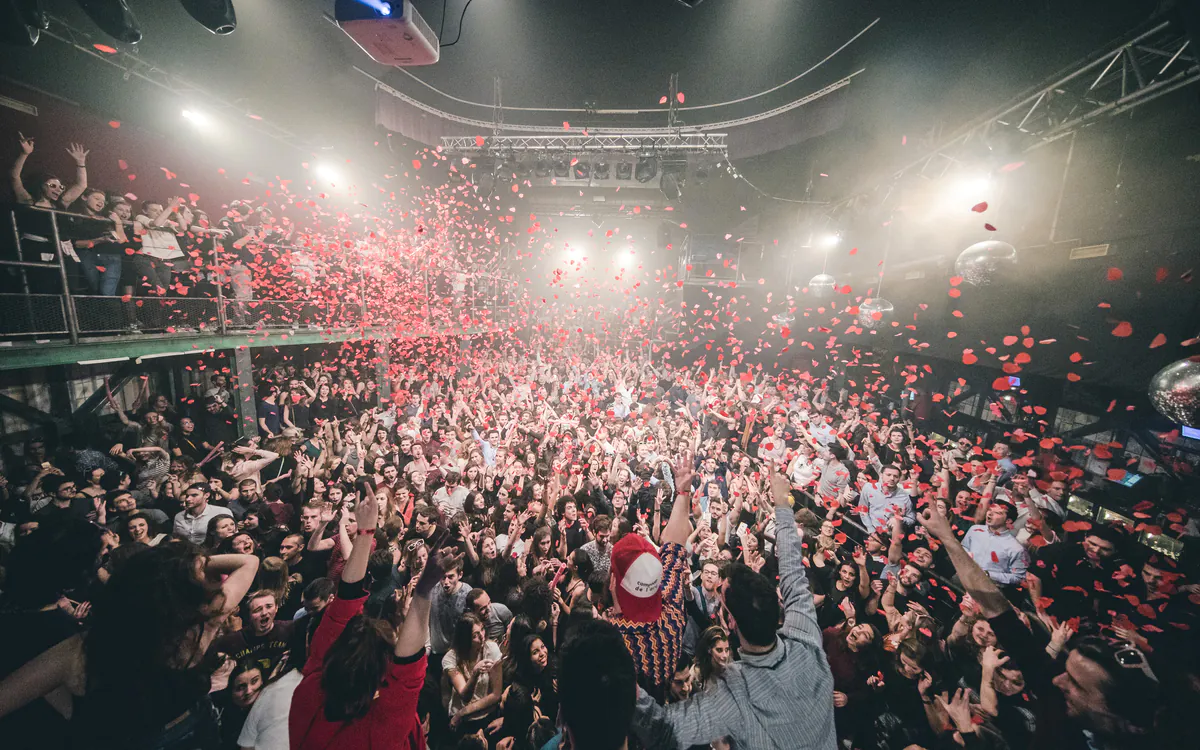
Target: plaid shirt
(782, 699)
(656, 646)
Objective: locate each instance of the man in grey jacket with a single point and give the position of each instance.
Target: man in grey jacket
(780, 695)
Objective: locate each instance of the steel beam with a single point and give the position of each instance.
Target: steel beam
(503, 145)
(113, 383)
(247, 406)
(26, 412)
(1148, 63)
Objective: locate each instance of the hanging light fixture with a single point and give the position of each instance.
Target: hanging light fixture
(876, 312)
(215, 15)
(982, 262)
(114, 18)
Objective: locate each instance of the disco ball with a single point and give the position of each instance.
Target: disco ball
(981, 262)
(821, 285)
(867, 313)
(1175, 392)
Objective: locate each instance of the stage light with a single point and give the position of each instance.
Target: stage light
(542, 169)
(114, 18)
(561, 168)
(215, 15)
(962, 192)
(582, 170)
(624, 170)
(326, 171)
(601, 170)
(831, 240)
(647, 169)
(199, 119)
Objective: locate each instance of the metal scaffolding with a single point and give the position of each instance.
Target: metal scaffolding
(678, 144)
(1147, 64)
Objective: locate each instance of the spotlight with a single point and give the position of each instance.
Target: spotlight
(114, 18)
(601, 169)
(582, 170)
(647, 168)
(624, 170)
(215, 15)
(831, 240)
(960, 193)
(326, 171)
(542, 169)
(561, 168)
(199, 119)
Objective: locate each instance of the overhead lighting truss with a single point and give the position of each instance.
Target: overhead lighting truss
(682, 144)
(135, 65)
(1146, 65)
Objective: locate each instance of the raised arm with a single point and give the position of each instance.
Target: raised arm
(799, 612)
(18, 187)
(79, 154)
(414, 633)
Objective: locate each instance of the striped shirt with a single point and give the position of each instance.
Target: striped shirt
(656, 646)
(779, 700)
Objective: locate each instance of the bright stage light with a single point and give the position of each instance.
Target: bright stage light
(381, 7)
(965, 191)
(830, 240)
(199, 119)
(326, 171)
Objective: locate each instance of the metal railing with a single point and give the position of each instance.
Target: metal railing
(40, 281)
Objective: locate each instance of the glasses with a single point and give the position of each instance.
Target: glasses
(1132, 658)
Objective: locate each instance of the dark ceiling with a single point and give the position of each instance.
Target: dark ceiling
(927, 61)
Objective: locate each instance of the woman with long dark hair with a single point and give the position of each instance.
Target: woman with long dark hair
(473, 668)
(362, 679)
(535, 671)
(713, 656)
(165, 604)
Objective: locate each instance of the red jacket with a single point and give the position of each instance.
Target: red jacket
(392, 721)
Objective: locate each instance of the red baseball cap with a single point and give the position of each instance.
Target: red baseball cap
(638, 570)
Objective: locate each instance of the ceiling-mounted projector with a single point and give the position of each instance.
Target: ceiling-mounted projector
(392, 33)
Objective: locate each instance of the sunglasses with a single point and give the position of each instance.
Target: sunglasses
(1132, 658)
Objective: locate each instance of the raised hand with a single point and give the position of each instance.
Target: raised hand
(77, 152)
(26, 144)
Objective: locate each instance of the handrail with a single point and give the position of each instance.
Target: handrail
(166, 313)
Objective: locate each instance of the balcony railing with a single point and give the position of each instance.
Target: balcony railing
(36, 302)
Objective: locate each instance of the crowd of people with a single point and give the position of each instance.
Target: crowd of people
(523, 548)
(152, 253)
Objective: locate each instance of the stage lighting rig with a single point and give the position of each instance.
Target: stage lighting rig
(601, 169)
(647, 168)
(561, 168)
(114, 18)
(215, 15)
(624, 170)
(582, 170)
(542, 169)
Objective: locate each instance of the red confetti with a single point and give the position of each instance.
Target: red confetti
(1123, 329)
(980, 207)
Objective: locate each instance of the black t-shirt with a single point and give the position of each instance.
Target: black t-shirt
(267, 649)
(24, 635)
(188, 445)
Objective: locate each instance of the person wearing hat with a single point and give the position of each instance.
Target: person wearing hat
(780, 694)
(648, 585)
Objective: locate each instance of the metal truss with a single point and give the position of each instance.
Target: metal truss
(504, 145)
(133, 65)
(1147, 64)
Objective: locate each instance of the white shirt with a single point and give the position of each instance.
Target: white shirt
(195, 528)
(266, 726)
(491, 652)
(159, 242)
